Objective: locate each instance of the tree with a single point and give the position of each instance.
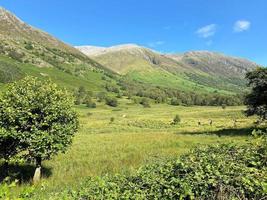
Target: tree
(176, 102)
(256, 101)
(110, 101)
(39, 115)
(89, 103)
(101, 96)
(145, 102)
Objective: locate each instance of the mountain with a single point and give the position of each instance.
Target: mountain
(25, 50)
(28, 50)
(195, 70)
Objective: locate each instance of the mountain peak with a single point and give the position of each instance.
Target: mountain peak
(96, 51)
(6, 15)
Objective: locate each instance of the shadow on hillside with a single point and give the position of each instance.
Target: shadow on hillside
(225, 132)
(21, 172)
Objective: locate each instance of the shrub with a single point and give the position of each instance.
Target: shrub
(176, 102)
(145, 102)
(29, 46)
(16, 55)
(110, 101)
(101, 96)
(89, 103)
(112, 119)
(176, 120)
(215, 172)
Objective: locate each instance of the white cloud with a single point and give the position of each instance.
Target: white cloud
(207, 31)
(241, 25)
(155, 44)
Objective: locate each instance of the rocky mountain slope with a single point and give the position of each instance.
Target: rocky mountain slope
(27, 44)
(206, 70)
(28, 50)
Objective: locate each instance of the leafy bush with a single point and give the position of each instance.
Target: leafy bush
(176, 120)
(29, 46)
(7, 186)
(16, 55)
(101, 96)
(176, 102)
(112, 119)
(9, 71)
(89, 103)
(145, 102)
(215, 172)
(110, 101)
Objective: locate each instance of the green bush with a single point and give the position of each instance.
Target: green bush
(145, 102)
(112, 119)
(215, 172)
(110, 101)
(176, 102)
(89, 103)
(176, 120)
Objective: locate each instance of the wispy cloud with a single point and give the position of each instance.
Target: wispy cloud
(241, 25)
(207, 31)
(155, 44)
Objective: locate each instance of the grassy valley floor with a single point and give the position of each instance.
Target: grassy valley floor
(136, 137)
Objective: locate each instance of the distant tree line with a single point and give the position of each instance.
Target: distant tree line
(176, 96)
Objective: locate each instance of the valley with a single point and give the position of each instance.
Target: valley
(82, 122)
(137, 137)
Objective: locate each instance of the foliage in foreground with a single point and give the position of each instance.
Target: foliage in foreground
(256, 101)
(214, 172)
(36, 119)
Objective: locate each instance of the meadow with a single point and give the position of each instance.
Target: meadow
(133, 137)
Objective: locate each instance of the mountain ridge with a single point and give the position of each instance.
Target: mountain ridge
(26, 50)
(204, 68)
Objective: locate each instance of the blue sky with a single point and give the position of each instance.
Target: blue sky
(234, 27)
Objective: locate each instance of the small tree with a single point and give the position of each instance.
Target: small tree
(176, 102)
(256, 101)
(101, 96)
(40, 116)
(145, 102)
(176, 120)
(89, 103)
(111, 101)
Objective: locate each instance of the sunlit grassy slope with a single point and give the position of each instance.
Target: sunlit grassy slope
(137, 136)
(11, 70)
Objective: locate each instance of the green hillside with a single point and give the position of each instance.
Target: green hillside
(25, 50)
(126, 70)
(193, 71)
(11, 70)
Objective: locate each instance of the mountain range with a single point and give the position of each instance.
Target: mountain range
(202, 69)
(25, 50)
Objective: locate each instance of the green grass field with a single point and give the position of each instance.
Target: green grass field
(137, 136)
